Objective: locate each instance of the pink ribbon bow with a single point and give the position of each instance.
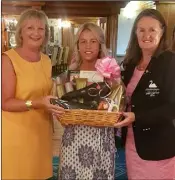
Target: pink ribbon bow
(108, 67)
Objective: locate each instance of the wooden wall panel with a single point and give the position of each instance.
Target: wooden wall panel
(168, 11)
(66, 9)
(111, 34)
(68, 40)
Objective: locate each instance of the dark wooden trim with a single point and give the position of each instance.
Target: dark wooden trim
(65, 8)
(23, 3)
(12, 10)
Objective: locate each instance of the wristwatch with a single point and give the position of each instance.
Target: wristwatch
(28, 104)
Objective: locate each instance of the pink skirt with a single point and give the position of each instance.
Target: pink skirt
(138, 168)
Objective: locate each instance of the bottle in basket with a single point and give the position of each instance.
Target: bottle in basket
(60, 87)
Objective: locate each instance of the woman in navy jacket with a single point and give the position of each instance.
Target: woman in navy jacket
(149, 76)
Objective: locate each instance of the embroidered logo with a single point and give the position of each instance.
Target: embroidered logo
(152, 85)
(152, 89)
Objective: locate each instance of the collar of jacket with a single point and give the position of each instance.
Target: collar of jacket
(129, 70)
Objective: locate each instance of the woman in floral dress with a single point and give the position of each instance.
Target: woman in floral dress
(87, 153)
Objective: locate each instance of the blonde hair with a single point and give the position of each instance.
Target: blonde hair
(29, 14)
(98, 33)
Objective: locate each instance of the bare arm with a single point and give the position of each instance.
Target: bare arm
(12, 104)
(9, 102)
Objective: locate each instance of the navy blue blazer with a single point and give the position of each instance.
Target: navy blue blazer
(153, 102)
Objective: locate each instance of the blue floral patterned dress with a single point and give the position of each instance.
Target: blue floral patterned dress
(87, 153)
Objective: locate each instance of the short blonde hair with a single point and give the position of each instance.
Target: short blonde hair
(98, 33)
(29, 14)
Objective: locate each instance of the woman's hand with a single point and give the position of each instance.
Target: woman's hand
(45, 104)
(129, 118)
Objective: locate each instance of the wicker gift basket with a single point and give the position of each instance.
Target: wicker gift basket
(99, 117)
(96, 118)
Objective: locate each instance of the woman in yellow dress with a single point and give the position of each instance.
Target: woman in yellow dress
(26, 108)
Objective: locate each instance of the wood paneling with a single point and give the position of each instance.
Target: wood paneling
(80, 20)
(168, 11)
(77, 9)
(66, 8)
(56, 12)
(111, 34)
(83, 4)
(23, 3)
(13, 10)
(68, 40)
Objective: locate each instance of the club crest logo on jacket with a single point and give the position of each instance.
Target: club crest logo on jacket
(152, 89)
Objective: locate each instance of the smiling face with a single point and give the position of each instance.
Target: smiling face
(33, 33)
(149, 33)
(88, 46)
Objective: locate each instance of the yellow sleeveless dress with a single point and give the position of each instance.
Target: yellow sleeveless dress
(27, 136)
